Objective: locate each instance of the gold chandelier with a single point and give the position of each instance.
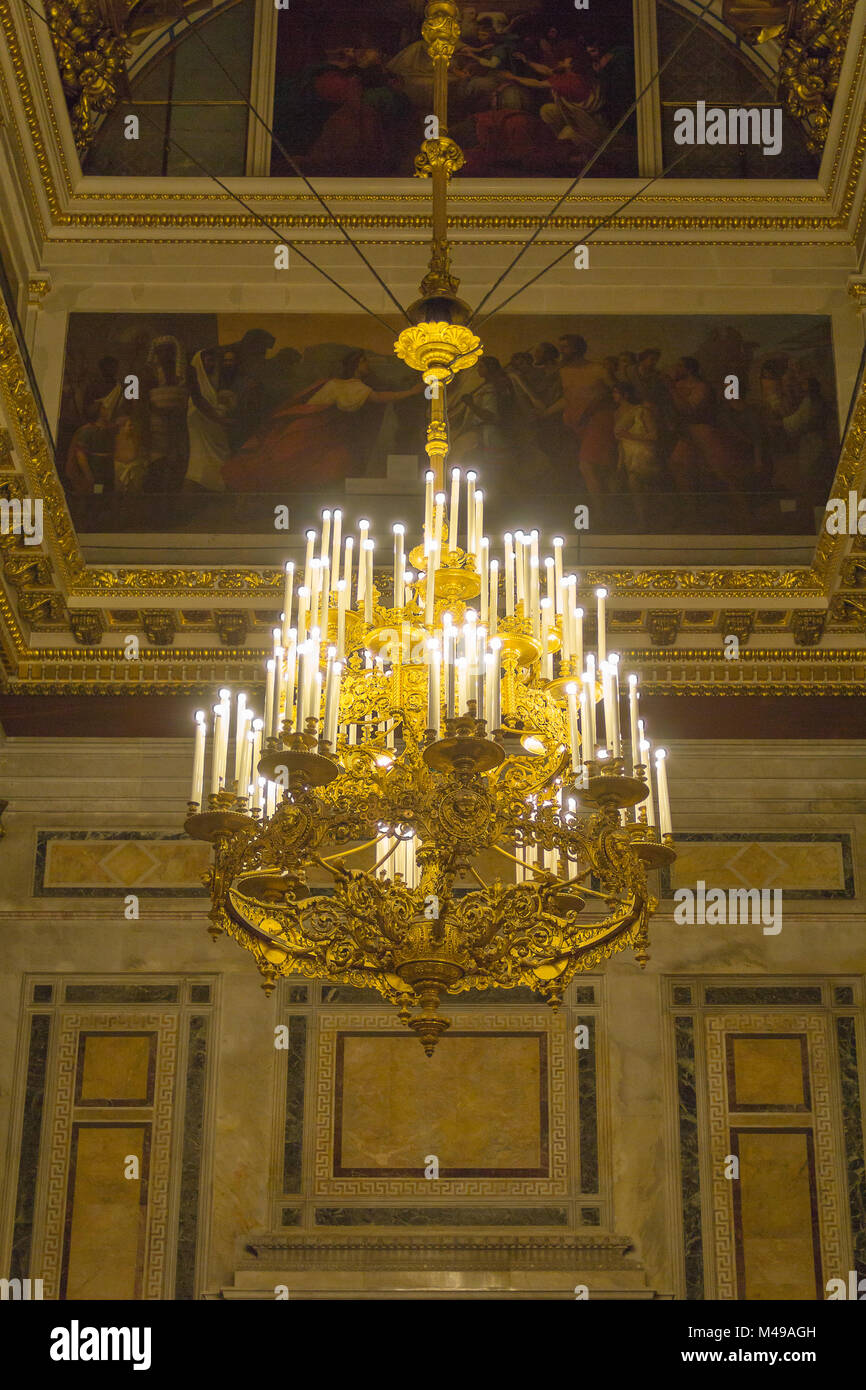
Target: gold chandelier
(439, 796)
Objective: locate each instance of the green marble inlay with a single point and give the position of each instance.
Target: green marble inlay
(43, 994)
(291, 1216)
(843, 994)
(762, 994)
(191, 1160)
(584, 994)
(28, 1160)
(293, 1139)
(852, 1121)
(121, 994)
(684, 1032)
(587, 1102)
(682, 994)
(441, 1216)
(590, 1216)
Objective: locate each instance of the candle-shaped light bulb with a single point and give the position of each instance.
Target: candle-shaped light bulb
(399, 565)
(270, 669)
(363, 530)
(494, 685)
(483, 551)
(325, 552)
(288, 587)
(303, 605)
(454, 509)
(576, 625)
(336, 541)
(369, 547)
(215, 777)
(197, 787)
(471, 538)
(646, 758)
(448, 656)
(665, 825)
(509, 576)
(348, 555)
(342, 604)
(558, 543)
(308, 558)
(478, 527)
(429, 479)
(601, 596)
(616, 739)
(634, 732)
(493, 600)
(573, 730)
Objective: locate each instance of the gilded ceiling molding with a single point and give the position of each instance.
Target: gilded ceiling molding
(758, 21)
(811, 62)
(91, 51)
(814, 36)
(102, 80)
(681, 672)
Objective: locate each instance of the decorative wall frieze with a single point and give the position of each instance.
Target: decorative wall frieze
(160, 627)
(807, 625)
(739, 623)
(663, 624)
(232, 627)
(87, 625)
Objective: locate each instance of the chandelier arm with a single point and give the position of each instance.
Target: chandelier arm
(326, 859)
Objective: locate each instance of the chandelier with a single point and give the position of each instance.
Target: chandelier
(449, 788)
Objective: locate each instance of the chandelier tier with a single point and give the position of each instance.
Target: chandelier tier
(439, 796)
(443, 729)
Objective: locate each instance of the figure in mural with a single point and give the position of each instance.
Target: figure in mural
(166, 392)
(587, 411)
(636, 428)
(209, 446)
(483, 418)
(528, 88)
(309, 442)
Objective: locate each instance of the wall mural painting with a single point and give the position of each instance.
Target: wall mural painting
(689, 424)
(534, 88)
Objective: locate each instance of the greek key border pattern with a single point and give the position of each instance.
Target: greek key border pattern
(70, 1025)
(331, 1023)
(831, 1216)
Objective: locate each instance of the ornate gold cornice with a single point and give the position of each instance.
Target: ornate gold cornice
(681, 672)
(179, 222)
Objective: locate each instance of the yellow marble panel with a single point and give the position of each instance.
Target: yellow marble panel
(759, 864)
(768, 1072)
(776, 1217)
(125, 864)
(474, 1104)
(108, 1220)
(75, 864)
(115, 1067)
